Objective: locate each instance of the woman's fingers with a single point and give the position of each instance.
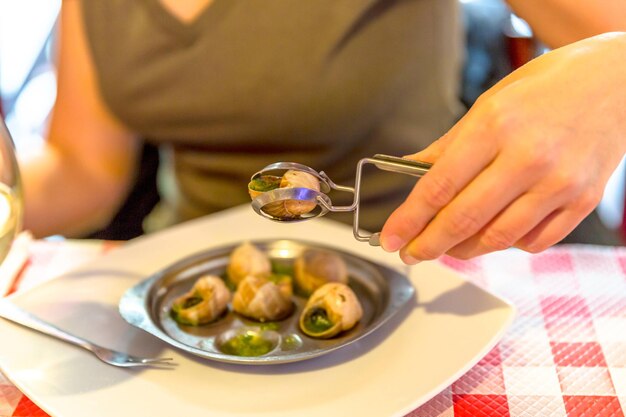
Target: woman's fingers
(485, 198)
(445, 180)
(509, 227)
(556, 226)
(534, 222)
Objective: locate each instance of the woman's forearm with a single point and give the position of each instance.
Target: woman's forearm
(560, 22)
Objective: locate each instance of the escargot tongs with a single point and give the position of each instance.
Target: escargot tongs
(322, 201)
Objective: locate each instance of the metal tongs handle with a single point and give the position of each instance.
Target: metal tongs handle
(401, 165)
(385, 163)
(319, 197)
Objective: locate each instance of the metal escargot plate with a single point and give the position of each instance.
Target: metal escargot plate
(381, 291)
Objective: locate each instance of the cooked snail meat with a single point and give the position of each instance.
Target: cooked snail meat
(332, 309)
(261, 299)
(247, 260)
(262, 184)
(316, 267)
(206, 301)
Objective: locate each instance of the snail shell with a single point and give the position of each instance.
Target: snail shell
(247, 260)
(205, 302)
(285, 209)
(332, 309)
(315, 267)
(261, 299)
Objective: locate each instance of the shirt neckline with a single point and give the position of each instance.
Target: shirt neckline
(189, 31)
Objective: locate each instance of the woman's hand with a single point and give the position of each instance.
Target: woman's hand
(526, 164)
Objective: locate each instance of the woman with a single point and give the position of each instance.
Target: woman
(225, 87)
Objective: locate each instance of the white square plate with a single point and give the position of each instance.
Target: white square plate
(440, 335)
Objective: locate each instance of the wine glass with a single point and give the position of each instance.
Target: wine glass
(10, 192)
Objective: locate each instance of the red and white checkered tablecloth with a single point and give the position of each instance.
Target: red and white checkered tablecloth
(565, 354)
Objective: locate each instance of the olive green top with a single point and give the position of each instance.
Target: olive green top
(247, 83)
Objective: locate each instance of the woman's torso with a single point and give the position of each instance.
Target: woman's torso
(322, 82)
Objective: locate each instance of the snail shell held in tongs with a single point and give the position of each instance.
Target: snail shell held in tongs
(261, 299)
(315, 267)
(285, 209)
(247, 260)
(206, 301)
(332, 309)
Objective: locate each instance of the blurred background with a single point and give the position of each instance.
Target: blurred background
(497, 42)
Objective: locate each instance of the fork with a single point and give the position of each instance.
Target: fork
(10, 312)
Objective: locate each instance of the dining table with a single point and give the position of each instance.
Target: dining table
(564, 354)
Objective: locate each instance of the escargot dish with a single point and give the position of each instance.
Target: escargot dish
(247, 260)
(206, 301)
(266, 319)
(332, 309)
(262, 299)
(286, 209)
(315, 267)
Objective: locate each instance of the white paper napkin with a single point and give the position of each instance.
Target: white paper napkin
(52, 257)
